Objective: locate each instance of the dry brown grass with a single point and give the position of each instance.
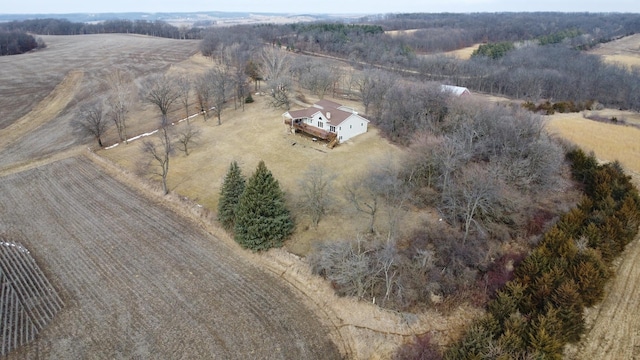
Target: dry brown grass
(624, 51)
(258, 133)
(464, 53)
(609, 142)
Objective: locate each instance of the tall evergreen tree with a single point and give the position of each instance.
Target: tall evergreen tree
(232, 190)
(262, 219)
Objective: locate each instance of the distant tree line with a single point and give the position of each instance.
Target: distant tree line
(529, 56)
(65, 27)
(17, 42)
(497, 27)
(534, 72)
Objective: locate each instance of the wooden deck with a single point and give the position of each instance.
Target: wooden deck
(331, 137)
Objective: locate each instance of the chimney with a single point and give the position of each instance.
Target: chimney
(328, 115)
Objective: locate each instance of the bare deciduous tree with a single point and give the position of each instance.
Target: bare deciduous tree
(276, 65)
(185, 87)
(203, 94)
(477, 191)
(237, 57)
(280, 93)
(187, 135)
(373, 84)
(160, 150)
(220, 81)
(386, 259)
(319, 79)
(364, 195)
(161, 91)
(92, 122)
(380, 189)
(316, 192)
(121, 93)
(347, 264)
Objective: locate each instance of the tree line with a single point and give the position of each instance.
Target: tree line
(18, 42)
(65, 27)
(541, 309)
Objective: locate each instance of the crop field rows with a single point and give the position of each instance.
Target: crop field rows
(140, 281)
(27, 300)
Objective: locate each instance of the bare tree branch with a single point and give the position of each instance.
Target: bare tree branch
(93, 121)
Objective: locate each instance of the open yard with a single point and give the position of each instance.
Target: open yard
(258, 133)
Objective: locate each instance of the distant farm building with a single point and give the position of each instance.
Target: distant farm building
(327, 120)
(455, 90)
(28, 302)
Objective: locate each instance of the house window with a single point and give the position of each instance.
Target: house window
(340, 137)
(361, 124)
(320, 124)
(350, 126)
(332, 128)
(340, 128)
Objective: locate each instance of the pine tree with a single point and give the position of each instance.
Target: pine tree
(232, 189)
(262, 219)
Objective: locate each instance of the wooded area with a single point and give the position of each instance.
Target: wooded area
(17, 42)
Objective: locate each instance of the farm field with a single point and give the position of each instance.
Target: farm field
(140, 281)
(624, 51)
(464, 53)
(41, 91)
(609, 142)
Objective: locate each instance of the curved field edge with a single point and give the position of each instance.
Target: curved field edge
(45, 110)
(140, 280)
(362, 330)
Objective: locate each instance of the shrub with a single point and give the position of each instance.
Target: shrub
(262, 219)
(230, 194)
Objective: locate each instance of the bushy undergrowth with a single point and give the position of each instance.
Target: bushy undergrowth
(487, 171)
(541, 309)
(549, 108)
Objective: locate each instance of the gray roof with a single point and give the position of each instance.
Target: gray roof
(330, 110)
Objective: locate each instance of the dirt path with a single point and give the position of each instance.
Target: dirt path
(44, 111)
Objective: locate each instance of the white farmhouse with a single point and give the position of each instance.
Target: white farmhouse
(327, 120)
(455, 90)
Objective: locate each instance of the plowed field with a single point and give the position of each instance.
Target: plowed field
(140, 281)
